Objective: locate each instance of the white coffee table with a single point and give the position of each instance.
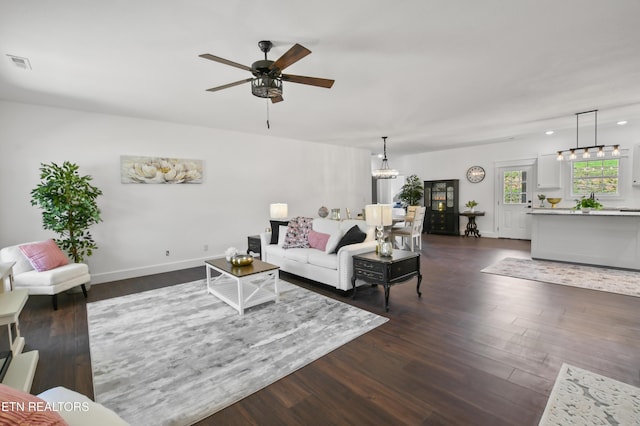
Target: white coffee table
(243, 286)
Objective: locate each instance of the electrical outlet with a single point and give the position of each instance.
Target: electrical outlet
(166, 253)
(206, 247)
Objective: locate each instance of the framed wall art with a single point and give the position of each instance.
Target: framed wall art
(160, 170)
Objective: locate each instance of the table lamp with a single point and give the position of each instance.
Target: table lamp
(279, 210)
(379, 215)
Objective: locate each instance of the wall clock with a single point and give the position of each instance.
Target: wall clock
(475, 174)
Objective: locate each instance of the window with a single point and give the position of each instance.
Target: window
(515, 187)
(598, 176)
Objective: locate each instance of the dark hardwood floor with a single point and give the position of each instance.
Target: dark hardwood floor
(475, 349)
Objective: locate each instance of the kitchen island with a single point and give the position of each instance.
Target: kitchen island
(600, 237)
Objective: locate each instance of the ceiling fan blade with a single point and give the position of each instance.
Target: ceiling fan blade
(224, 61)
(226, 86)
(311, 81)
(277, 99)
(291, 56)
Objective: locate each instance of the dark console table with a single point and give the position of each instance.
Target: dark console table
(386, 270)
(472, 227)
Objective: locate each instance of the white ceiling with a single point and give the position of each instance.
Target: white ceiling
(429, 74)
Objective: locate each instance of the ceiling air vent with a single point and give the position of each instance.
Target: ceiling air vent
(20, 62)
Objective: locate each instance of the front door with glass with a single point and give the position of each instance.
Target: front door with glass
(516, 185)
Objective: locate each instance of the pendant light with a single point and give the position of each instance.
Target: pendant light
(586, 151)
(385, 172)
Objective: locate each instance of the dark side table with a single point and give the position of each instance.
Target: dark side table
(472, 228)
(254, 245)
(386, 270)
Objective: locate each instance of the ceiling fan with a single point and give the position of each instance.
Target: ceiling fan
(267, 75)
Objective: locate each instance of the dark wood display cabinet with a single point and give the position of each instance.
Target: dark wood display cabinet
(441, 201)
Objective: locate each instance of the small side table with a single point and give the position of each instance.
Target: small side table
(386, 270)
(254, 245)
(472, 228)
(22, 367)
(6, 271)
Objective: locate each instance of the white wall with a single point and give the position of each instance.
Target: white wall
(389, 188)
(453, 164)
(243, 174)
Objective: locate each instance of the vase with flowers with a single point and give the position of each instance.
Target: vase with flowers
(471, 205)
(541, 197)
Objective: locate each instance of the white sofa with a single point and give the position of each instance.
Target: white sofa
(327, 268)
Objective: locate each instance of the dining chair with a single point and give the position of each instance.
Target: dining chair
(412, 231)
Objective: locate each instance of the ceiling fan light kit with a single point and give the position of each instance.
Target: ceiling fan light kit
(266, 87)
(267, 75)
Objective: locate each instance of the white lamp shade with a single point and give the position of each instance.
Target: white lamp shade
(279, 210)
(379, 214)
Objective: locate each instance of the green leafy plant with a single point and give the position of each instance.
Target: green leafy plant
(412, 191)
(69, 208)
(588, 203)
(541, 197)
(471, 204)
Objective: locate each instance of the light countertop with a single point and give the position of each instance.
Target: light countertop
(604, 212)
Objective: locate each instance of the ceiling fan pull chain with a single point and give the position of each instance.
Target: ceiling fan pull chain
(268, 126)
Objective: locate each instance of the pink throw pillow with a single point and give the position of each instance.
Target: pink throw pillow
(21, 408)
(44, 255)
(318, 240)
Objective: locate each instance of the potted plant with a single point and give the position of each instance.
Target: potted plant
(541, 197)
(471, 205)
(586, 204)
(69, 208)
(412, 191)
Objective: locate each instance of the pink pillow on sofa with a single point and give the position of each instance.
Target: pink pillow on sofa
(44, 255)
(318, 240)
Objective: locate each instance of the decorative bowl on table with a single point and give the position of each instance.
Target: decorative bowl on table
(241, 260)
(554, 201)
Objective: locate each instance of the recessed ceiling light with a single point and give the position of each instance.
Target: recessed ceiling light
(548, 132)
(379, 155)
(622, 122)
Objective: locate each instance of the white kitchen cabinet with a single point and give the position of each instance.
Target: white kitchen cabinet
(549, 172)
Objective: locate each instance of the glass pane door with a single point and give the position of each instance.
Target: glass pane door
(515, 187)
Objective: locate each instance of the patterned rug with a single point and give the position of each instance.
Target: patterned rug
(580, 397)
(592, 277)
(176, 355)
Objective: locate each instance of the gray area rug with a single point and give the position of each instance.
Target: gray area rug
(580, 397)
(592, 277)
(176, 355)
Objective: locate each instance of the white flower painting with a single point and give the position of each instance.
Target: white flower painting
(135, 169)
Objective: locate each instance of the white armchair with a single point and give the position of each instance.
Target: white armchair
(48, 282)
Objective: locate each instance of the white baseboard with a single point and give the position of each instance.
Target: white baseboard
(123, 274)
